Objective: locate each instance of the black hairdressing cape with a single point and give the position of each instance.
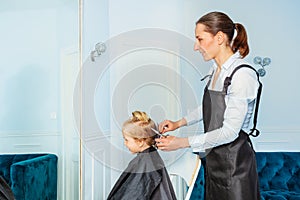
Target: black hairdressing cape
(5, 191)
(145, 178)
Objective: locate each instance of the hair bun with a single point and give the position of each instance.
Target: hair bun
(138, 116)
(140, 125)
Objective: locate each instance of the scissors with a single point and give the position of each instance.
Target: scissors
(160, 135)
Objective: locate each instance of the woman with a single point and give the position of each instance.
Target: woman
(146, 176)
(228, 103)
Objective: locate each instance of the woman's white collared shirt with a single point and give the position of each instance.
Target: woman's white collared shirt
(240, 100)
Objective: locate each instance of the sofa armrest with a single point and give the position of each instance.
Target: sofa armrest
(35, 178)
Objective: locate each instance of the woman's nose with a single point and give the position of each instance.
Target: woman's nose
(196, 47)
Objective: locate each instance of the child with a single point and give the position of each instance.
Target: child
(146, 176)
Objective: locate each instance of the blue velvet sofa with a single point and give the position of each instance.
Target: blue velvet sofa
(279, 176)
(30, 176)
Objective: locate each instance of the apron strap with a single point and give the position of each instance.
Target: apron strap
(254, 131)
(209, 80)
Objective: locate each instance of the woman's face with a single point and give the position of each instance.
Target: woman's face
(206, 43)
(132, 144)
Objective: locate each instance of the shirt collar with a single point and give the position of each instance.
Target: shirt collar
(229, 61)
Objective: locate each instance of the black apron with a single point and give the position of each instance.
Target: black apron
(230, 172)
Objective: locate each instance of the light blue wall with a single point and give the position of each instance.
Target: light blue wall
(33, 33)
(272, 28)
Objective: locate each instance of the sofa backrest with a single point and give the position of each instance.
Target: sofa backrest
(276, 171)
(6, 160)
(279, 170)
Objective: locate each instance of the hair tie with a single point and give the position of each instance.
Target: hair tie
(233, 37)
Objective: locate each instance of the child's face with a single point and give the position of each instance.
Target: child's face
(132, 144)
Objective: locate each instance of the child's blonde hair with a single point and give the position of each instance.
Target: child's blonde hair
(139, 127)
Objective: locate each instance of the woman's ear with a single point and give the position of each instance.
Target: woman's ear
(220, 37)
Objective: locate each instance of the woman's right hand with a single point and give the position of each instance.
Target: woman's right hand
(168, 125)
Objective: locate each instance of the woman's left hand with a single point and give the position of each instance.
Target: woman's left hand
(171, 143)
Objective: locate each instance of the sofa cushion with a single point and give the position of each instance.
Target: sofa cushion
(6, 160)
(279, 195)
(279, 171)
(37, 175)
(279, 176)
